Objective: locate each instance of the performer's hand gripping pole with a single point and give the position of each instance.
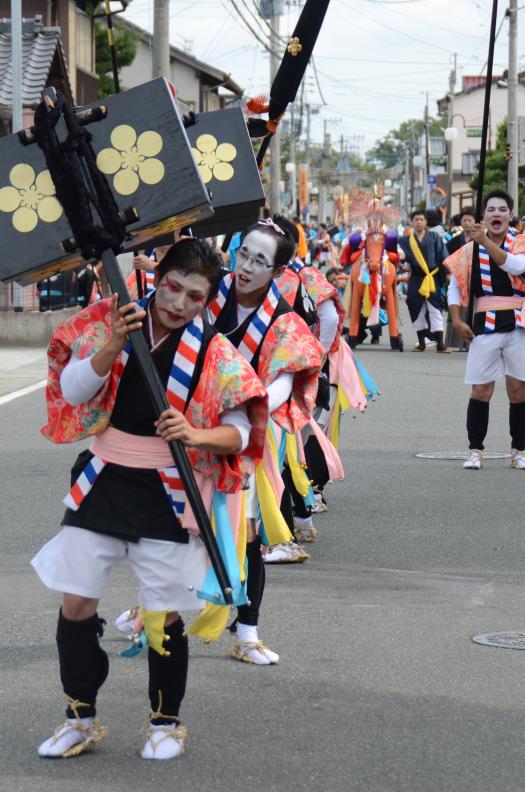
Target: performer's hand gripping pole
(160, 402)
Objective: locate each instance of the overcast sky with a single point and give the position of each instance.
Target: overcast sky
(375, 59)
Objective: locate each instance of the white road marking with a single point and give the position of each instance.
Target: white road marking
(22, 392)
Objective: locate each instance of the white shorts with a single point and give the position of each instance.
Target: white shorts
(77, 561)
(494, 355)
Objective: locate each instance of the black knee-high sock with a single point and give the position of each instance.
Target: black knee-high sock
(477, 422)
(249, 614)
(84, 664)
(168, 674)
(517, 425)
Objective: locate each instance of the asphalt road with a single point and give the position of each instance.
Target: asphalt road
(379, 688)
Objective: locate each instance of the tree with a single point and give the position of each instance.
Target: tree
(496, 170)
(126, 45)
(390, 149)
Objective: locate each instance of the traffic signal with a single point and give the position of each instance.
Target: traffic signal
(508, 153)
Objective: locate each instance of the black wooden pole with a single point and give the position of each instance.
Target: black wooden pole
(483, 152)
(160, 402)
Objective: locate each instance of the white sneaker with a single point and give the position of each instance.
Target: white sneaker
(256, 653)
(285, 553)
(72, 738)
(304, 529)
(518, 459)
(125, 623)
(475, 460)
(165, 741)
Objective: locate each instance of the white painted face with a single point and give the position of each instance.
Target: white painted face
(497, 216)
(180, 298)
(254, 262)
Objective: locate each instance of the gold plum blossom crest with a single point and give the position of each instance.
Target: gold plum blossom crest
(29, 198)
(213, 160)
(132, 159)
(294, 47)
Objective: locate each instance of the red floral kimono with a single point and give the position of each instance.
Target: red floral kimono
(226, 382)
(319, 290)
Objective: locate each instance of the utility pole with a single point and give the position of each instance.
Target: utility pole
(512, 111)
(450, 171)
(427, 157)
(322, 185)
(161, 39)
(293, 172)
(16, 64)
(275, 143)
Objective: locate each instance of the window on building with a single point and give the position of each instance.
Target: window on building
(470, 160)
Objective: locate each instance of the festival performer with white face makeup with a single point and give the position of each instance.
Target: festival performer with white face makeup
(278, 344)
(127, 499)
(496, 270)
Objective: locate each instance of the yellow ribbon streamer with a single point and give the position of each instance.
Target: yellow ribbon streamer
(154, 629)
(275, 525)
(300, 479)
(367, 303)
(428, 285)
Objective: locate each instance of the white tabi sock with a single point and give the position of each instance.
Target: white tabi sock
(260, 655)
(64, 737)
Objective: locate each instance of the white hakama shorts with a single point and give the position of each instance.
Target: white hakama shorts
(495, 355)
(78, 561)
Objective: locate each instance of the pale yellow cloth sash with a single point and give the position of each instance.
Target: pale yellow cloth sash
(428, 286)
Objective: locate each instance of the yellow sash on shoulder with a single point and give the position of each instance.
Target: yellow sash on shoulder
(428, 286)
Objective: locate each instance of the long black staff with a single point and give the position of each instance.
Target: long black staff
(483, 153)
(288, 78)
(98, 230)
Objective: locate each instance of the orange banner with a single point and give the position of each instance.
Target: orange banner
(304, 196)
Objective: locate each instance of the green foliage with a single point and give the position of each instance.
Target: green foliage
(496, 170)
(126, 45)
(390, 149)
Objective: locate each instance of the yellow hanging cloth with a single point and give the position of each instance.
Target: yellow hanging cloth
(300, 479)
(367, 303)
(275, 525)
(341, 404)
(428, 286)
(154, 629)
(211, 622)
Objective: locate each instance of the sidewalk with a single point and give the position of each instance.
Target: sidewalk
(20, 367)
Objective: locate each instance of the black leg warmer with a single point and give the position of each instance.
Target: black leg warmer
(421, 335)
(299, 507)
(249, 614)
(168, 675)
(316, 462)
(84, 664)
(517, 425)
(287, 509)
(477, 423)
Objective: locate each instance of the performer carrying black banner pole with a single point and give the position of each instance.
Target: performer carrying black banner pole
(174, 384)
(487, 278)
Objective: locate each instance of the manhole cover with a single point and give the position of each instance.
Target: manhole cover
(461, 455)
(501, 640)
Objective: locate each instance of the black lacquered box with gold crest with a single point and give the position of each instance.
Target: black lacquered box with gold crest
(142, 148)
(224, 155)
